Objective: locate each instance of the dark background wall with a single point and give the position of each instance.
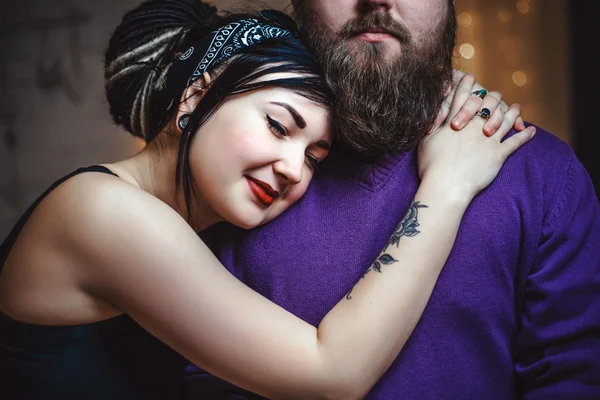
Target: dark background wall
(585, 36)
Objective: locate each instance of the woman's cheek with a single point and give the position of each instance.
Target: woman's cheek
(297, 191)
(247, 140)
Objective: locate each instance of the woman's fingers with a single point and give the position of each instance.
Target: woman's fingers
(473, 105)
(462, 93)
(463, 103)
(514, 142)
(444, 110)
(491, 126)
(517, 140)
(520, 124)
(493, 102)
(508, 121)
(467, 112)
(496, 119)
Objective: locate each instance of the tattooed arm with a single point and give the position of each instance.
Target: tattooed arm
(407, 227)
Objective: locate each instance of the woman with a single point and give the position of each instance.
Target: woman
(104, 281)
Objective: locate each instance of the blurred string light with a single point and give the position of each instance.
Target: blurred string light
(523, 6)
(519, 78)
(511, 46)
(503, 42)
(467, 50)
(464, 19)
(505, 15)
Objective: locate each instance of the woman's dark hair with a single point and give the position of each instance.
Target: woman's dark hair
(150, 39)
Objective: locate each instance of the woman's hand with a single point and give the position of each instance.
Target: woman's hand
(474, 103)
(464, 163)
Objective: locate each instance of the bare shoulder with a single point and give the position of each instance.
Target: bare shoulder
(49, 266)
(115, 229)
(101, 211)
(87, 202)
(73, 208)
(96, 223)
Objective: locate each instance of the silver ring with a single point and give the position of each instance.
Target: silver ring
(484, 113)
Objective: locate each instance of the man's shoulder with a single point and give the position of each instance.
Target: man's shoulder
(543, 160)
(543, 172)
(545, 148)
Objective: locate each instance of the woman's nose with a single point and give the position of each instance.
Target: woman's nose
(290, 168)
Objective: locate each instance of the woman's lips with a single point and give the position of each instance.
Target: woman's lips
(262, 190)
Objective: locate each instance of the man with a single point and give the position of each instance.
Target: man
(516, 310)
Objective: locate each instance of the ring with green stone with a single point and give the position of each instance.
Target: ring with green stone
(480, 93)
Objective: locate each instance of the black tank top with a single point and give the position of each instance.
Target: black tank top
(110, 359)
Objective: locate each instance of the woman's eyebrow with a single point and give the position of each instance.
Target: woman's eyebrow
(300, 122)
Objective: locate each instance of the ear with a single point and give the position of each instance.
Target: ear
(192, 95)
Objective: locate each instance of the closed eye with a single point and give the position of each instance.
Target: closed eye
(312, 161)
(275, 126)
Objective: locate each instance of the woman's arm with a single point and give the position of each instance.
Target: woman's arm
(160, 273)
(144, 258)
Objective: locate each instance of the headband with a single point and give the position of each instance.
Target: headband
(217, 47)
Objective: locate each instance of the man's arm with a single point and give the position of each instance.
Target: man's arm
(557, 352)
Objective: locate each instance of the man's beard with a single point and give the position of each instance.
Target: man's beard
(382, 103)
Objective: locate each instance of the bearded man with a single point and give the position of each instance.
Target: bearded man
(516, 310)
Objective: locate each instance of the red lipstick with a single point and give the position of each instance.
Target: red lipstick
(262, 190)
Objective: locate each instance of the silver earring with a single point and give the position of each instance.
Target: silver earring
(183, 121)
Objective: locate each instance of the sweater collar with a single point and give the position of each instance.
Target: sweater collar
(371, 174)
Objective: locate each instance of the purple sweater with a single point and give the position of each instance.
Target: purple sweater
(516, 310)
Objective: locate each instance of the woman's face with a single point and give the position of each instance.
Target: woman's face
(257, 154)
